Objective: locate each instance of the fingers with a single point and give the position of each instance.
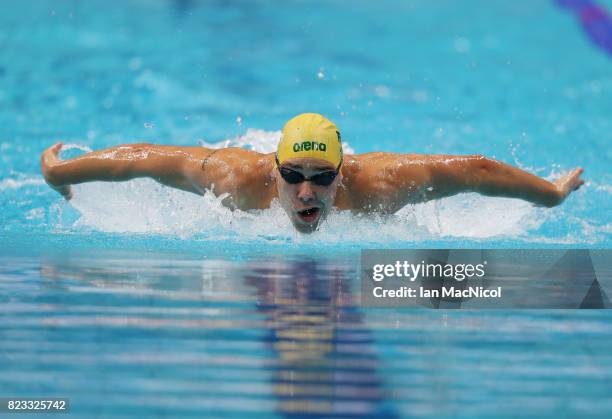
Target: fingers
(65, 191)
(49, 160)
(56, 147)
(51, 155)
(570, 182)
(575, 181)
(577, 172)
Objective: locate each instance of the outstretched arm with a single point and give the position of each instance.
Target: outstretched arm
(403, 179)
(166, 164)
(451, 174)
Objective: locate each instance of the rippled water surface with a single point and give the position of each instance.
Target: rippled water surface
(520, 82)
(159, 334)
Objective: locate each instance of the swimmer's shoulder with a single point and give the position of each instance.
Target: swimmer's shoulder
(357, 181)
(253, 185)
(226, 153)
(244, 174)
(231, 160)
(365, 167)
(369, 165)
(367, 178)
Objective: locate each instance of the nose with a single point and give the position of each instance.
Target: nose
(305, 193)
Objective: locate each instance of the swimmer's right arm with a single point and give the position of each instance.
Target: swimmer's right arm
(168, 165)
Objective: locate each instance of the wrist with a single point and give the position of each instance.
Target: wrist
(555, 198)
(52, 177)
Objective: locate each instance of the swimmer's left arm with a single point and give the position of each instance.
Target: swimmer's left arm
(442, 175)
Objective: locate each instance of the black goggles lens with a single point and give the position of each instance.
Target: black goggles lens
(321, 179)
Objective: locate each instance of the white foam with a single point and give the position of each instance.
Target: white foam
(71, 146)
(603, 188)
(19, 183)
(143, 206)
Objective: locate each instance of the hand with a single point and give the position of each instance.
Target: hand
(569, 183)
(48, 161)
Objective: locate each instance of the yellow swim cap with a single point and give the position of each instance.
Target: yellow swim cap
(310, 135)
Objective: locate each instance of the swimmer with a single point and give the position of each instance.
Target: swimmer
(308, 174)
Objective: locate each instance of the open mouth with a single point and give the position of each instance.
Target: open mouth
(309, 214)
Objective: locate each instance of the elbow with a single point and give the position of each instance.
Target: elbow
(130, 160)
(482, 163)
(479, 171)
(132, 151)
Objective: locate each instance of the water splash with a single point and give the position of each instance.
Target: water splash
(75, 146)
(595, 20)
(143, 206)
(20, 183)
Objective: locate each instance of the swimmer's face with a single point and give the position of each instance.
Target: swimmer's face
(306, 203)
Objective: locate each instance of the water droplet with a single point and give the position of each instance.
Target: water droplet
(420, 96)
(135, 63)
(382, 91)
(148, 125)
(239, 120)
(320, 75)
(462, 45)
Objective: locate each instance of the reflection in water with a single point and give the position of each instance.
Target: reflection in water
(183, 6)
(290, 329)
(166, 336)
(328, 365)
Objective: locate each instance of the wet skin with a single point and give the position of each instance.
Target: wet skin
(368, 183)
(306, 203)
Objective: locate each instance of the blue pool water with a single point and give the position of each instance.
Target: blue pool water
(137, 300)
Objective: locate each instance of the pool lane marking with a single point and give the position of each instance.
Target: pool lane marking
(595, 21)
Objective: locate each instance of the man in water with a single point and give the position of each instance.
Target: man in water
(308, 174)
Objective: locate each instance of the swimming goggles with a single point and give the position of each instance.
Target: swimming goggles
(294, 177)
